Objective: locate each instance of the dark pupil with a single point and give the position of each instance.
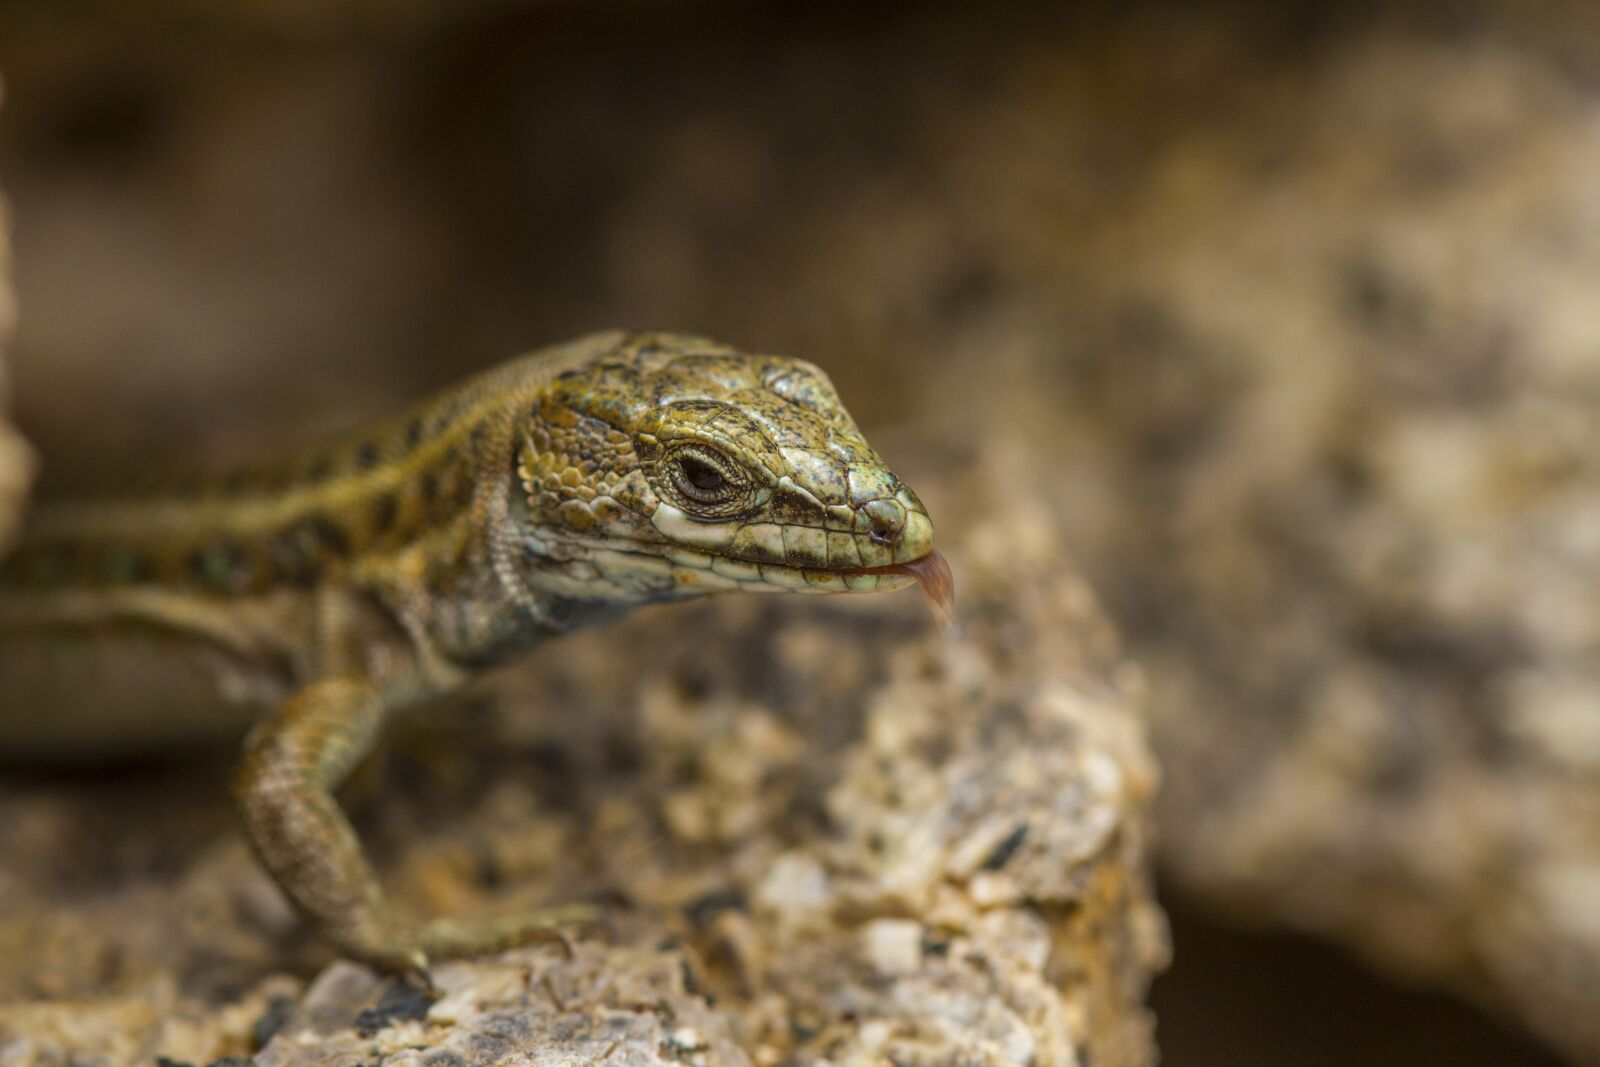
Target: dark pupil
(703, 476)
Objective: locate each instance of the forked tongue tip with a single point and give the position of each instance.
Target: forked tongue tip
(932, 573)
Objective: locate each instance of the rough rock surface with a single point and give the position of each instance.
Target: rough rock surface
(1380, 521)
(1293, 304)
(819, 828)
(1303, 319)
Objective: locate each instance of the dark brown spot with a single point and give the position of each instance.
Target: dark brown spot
(320, 469)
(329, 535)
(291, 566)
(273, 1017)
(367, 455)
(1002, 852)
(702, 910)
(428, 486)
(307, 547)
(385, 509)
(414, 432)
(400, 1001)
(461, 490)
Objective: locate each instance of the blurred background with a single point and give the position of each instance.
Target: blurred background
(1293, 307)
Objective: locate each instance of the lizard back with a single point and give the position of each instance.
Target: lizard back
(170, 613)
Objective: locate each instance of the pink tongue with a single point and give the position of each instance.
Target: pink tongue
(938, 584)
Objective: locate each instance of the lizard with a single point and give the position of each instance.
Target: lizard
(303, 601)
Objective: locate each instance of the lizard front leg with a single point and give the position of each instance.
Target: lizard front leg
(292, 763)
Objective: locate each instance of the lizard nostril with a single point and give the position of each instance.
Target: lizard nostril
(887, 521)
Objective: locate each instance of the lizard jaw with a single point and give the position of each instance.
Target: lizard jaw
(930, 571)
(650, 568)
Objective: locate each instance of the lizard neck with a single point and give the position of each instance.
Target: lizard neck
(582, 582)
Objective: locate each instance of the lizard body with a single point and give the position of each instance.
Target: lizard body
(316, 595)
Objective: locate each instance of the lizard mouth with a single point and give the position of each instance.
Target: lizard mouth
(694, 568)
(931, 572)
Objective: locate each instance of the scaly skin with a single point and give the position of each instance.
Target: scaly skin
(342, 584)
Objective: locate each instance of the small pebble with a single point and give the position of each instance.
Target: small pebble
(893, 946)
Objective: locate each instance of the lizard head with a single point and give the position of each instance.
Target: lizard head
(670, 466)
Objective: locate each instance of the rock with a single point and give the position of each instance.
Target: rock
(1295, 327)
(134, 1026)
(893, 947)
(907, 844)
(1298, 327)
(1358, 552)
(615, 1006)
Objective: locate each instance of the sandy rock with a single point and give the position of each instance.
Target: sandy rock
(1302, 322)
(137, 1025)
(1297, 326)
(1375, 554)
(901, 843)
(612, 1006)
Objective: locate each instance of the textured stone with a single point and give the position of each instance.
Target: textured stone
(133, 1026)
(819, 829)
(1303, 318)
(1297, 323)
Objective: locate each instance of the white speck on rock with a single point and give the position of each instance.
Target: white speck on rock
(796, 884)
(687, 1039)
(893, 946)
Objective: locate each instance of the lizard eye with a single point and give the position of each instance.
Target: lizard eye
(701, 476)
(706, 482)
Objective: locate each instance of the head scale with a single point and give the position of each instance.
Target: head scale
(672, 466)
